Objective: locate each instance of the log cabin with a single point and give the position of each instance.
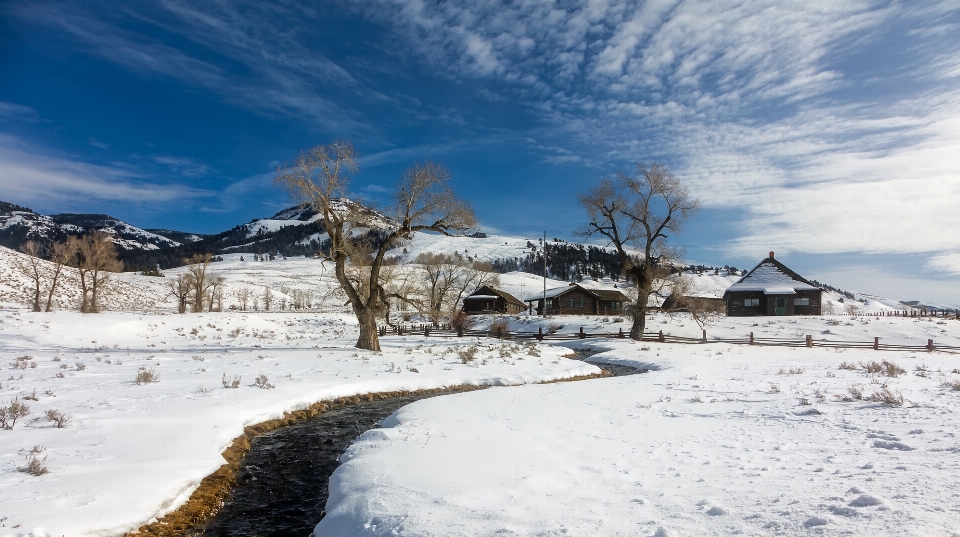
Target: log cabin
(574, 299)
(488, 299)
(772, 289)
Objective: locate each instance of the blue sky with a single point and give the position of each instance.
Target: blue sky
(826, 131)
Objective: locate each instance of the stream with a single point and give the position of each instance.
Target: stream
(281, 489)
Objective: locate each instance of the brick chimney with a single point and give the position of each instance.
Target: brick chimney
(771, 254)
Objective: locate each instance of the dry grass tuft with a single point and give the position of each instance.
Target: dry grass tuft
(848, 366)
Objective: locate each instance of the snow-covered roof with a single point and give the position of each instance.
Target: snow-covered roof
(471, 297)
(601, 293)
(772, 278)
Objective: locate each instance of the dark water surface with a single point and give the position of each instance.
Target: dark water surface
(281, 489)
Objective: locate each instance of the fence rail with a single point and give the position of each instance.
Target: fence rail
(447, 331)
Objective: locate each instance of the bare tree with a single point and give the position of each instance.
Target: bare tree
(423, 201)
(96, 261)
(32, 267)
(636, 213)
(202, 282)
(215, 292)
(244, 296)
(449, 278)
(60, 254)
(267, 298)
(180, 289)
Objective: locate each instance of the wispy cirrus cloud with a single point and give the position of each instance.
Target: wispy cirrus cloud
(277, 78)
(802, 116)
(34, 175)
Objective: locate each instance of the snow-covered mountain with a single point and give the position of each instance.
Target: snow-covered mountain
(20, 224)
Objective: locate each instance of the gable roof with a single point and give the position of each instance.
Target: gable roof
(602, 294)
(485, 291)
(773, 278)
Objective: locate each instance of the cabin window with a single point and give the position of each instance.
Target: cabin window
(614, 305)
(549, 303)
(571, 302)
(801, 301)
(748, 302)
(581, 302)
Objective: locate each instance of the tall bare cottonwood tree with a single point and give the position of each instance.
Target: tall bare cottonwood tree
(60, 255)
(635, 213)
(423, 201)
(96, 261)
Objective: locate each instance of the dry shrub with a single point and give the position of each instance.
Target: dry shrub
(774, 388)
(872, 367)
(891, 369)
(11, 413)
(953, 385)
(887, 397)
(848, 366)
(263, 382)
(498, 326)
(146, 376)
(59, 419)
(230, 383)
(467, 355)
(34, 465)
(855, 391)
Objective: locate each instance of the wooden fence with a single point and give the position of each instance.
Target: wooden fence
(448, 331)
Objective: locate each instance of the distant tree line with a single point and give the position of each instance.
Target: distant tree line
(571, 262)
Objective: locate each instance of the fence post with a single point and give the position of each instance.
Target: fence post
(929, 345)
(660, 336)
(876, 343)
(809, 340)
(582, 335)
(460, 331)
(539, 333)
(426, 331)
(498, 332)
(620, 335)
(704, 336)
(751, 338)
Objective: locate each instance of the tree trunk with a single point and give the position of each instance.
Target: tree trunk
(53, 287)
(36, 296)
(367, 319)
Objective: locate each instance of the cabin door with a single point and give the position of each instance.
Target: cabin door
(781, 305)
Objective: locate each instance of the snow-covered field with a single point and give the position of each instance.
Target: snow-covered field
(702, 444)
(714, 440)
(135, 451)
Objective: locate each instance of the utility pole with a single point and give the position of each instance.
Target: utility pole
(544, 274)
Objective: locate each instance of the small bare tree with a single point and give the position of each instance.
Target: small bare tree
(635, 213)
(423, 201)
(197, 264)
(180, 289)
(60, 254)
(32, 267)
(244, 296)
(215, 292)
(267, 298)
(96, 261)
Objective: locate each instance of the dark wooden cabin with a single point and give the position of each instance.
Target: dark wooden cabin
(488, 299)
(772, 289)
(576, 300)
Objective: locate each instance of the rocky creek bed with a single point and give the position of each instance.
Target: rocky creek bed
(281, 489)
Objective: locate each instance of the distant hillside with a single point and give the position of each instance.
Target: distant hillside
(20, 224)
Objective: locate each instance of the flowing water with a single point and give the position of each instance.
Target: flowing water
(281, 489)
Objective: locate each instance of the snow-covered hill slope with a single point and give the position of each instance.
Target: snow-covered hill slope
(19, 224)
